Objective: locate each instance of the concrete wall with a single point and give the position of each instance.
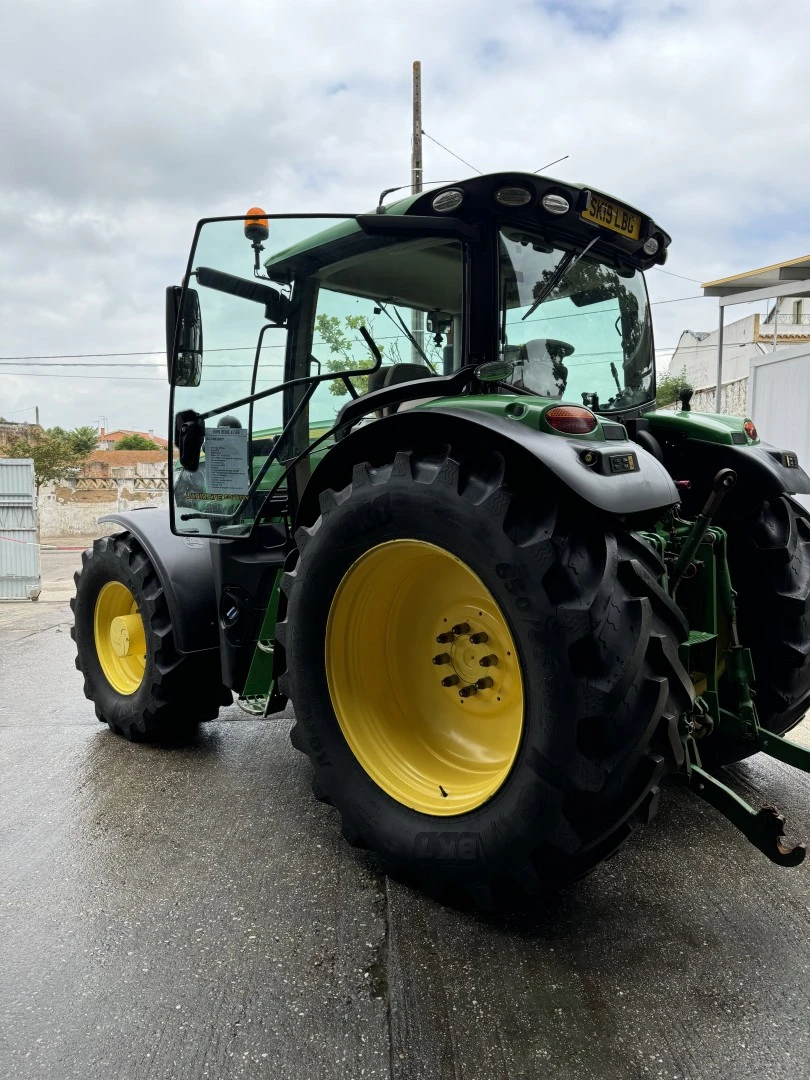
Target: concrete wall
(10, 431)
(108, 482)
(81, 518)
(734, 401)
(699, 357)
(744, 340)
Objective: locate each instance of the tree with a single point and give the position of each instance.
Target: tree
(136, 442)
(342, 347)
(668, 387)
(53, 453)
(82, 439)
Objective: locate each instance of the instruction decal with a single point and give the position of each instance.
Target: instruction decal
(226, 461)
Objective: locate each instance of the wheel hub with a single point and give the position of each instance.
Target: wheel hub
(470, 652)
(119, 637)
(127, 636)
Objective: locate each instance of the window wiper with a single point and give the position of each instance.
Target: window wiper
(615, 375)
(566, 263)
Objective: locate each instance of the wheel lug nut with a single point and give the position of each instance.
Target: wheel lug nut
(446, 638)
(461, 628)
(485, 683)
(450, 680)
(468, 691)
(441, 658)
(489, 661)
(479, 639)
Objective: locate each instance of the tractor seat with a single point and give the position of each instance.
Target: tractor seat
(392, 374)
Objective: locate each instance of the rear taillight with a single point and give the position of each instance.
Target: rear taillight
(571, 419)
(750, 429)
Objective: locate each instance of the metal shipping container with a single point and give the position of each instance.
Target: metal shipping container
(20, 577)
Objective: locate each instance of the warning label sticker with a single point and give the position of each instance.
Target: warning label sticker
(226, 461)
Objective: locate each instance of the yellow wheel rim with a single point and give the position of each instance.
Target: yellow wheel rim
(119, 637)
(424, 677)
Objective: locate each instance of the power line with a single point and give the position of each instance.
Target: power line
(678, 299)
(107, 355)
(451, 153)
(242, 348)
(556, 161)
(120, 378)
(115, 367)
(669, 273)
(241, 382)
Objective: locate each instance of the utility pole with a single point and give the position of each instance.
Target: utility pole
(417, 317)
(416, 138)
(36, 414)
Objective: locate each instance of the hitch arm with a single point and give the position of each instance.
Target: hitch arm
(777, 746)
(765, 828)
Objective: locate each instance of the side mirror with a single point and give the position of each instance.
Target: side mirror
(189, 434)
(184, 340)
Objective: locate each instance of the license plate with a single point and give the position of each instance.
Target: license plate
(612, 216)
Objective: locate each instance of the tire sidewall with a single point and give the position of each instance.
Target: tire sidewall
(530, 802)
(102, 567)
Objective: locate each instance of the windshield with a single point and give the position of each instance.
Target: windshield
(588, 339)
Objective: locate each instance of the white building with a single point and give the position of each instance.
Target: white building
(786, 323)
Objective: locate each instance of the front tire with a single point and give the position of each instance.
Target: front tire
(140, 685)
(584, 722)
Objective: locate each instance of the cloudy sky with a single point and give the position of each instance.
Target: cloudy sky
(126, 121)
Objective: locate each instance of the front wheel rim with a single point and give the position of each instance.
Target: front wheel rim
(120, 639)
(424, 677)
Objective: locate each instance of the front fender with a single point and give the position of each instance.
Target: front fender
(183, 564)
(646, 487)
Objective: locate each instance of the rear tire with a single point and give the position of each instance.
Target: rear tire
(597, 642)
(769, 557)
(176, 692)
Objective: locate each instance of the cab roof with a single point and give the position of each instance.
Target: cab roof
(616, 230)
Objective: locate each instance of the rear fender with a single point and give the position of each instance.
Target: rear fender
(648, 487)
(183, 564)
(763, 472)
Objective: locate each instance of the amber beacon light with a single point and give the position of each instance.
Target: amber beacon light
(257, 227)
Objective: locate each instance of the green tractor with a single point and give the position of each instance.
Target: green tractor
(421, 491)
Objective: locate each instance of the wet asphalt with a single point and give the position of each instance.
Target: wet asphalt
(194, 912)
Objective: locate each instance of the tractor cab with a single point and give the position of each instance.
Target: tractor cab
(281, 322)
